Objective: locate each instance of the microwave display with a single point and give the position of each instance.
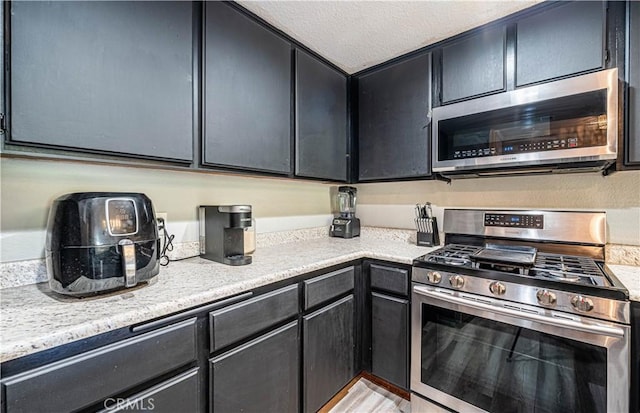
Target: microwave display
(576, 121)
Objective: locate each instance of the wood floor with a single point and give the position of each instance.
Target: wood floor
(366, 397)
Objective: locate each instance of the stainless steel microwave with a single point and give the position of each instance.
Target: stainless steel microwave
(561, 126)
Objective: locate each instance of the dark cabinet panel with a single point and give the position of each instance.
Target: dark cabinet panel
(247, 93)
(79, 381)
(244, 319)
(394, 280)
(390, 339)
(321, 119)
(474, 66)
(393, 121)
(329, 352)
(178, 394)
(260, 376)
(103, 76)
(328, 286)
(633, 137)
(561, 41)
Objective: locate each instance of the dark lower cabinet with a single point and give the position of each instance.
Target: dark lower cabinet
(247, 93)
(562, 41)
(394, 106)
(259, 376)
(102, 374)
(103, 76)
(390, 339)
(634, 402)
(328, 362)
(633, 73)
(178, 394)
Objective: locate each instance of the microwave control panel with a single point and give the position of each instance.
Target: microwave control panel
(522, 147)
(514, 221)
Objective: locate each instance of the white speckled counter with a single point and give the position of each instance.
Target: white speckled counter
(34, 319)
(630, 277)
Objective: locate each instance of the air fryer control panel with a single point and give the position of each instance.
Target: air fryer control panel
(122, 216)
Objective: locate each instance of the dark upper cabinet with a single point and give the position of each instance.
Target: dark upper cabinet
(633, 73)
(474, 66)
(561, 41)
(321, 120)
(393, 121)
(103, 76)
(247, 93)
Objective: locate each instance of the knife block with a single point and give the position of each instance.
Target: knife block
(428, 239)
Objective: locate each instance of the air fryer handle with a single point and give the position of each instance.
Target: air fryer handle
(128, 252)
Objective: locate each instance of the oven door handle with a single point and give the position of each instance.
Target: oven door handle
(574, 325)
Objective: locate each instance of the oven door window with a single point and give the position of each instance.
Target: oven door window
(499, 367)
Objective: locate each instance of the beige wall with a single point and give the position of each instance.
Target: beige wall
(392, 204)
(29, 186)
(575, 191)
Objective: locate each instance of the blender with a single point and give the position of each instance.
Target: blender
(346, 225)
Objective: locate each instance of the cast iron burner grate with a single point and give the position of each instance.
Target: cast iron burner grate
(567, 268)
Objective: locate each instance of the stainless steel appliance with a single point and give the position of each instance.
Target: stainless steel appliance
(346, 225)
(101, 241)
(518, 313)
(566, 125)
(222, 233)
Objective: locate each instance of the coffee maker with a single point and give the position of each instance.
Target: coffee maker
(222, 233)
(346, 225)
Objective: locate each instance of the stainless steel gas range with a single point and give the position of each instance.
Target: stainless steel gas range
(519, 313)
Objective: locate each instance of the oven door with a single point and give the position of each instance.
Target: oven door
(477, 354)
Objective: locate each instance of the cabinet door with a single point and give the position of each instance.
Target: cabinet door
(178, 394)
(633, 138)
(247, 93)
(394, 132)
(474, 66)
(328, 352)
(561, 41)
(259, 376)
(321, 120)
(103, 76)
(390, 339)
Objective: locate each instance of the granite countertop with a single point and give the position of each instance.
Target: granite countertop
(32, 318)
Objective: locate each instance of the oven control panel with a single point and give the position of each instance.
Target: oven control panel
(514, 220)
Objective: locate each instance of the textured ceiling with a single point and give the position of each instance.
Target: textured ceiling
(355, 35)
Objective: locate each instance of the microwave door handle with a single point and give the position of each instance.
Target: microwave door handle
(558, 322)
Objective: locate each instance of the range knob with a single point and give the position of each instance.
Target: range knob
(456, 281)
(581, 303)
(546, 297)
(497, 288)
(434, 277)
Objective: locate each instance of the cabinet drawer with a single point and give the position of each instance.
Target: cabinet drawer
(178, 394)
(325, 287)
(394, 280)
(242, 320)
(85, 379)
